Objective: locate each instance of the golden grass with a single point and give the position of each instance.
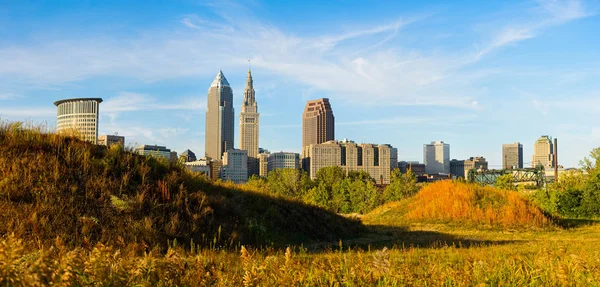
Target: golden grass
(465, 203)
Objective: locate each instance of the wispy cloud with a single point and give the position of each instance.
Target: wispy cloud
(553, 13)
(128, 101)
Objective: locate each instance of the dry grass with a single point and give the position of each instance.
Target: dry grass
(473, 204)
(560, 261)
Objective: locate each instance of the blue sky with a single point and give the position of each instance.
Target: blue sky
(475, 74)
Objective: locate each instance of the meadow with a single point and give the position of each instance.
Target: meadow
(74, 214)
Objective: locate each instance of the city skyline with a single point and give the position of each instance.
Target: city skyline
(411, 75)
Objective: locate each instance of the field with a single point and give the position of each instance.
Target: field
(106, 217)
(415, 255)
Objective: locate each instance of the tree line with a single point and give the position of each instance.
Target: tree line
(335, 189)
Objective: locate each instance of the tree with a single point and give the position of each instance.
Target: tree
(505, 181)
(289, 182)
(330, 175)
(401, 186)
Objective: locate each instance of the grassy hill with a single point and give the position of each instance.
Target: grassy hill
(463, 204)
(60, 187)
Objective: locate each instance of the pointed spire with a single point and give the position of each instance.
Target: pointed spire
(249, 90)
(220, 80)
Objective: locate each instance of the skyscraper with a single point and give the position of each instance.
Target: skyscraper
(317, 123)
(249, 126)
(219, 118)
(436, 157)
(512, 156)
(543, 152)
(78, 117)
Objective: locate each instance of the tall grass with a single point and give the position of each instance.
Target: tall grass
(476, 205)
(58, 186)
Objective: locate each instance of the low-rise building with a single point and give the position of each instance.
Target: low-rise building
(235, 166)
(201, 166)
(457, 168)
(476, 163)
(156, 151)
(187, 156)
(280, 160)
(110, 140)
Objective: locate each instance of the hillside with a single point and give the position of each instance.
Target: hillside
(60, 187)
(463, 204)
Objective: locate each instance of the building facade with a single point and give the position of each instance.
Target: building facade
(110, 140)
(278, 160)
(78, 117)
(188, 156)
(457, 168)
(318, 123)
(235, 166)
(202, 166)
(416, 167)
(156, 151)
(263, 162)
(219, 118)
(249, 119)
(543, 153)
(377, 160)
(476, 163)
(436, 157)
(512, 156)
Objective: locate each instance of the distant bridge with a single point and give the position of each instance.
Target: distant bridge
(521, 175)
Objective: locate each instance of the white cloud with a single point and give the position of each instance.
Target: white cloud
(128, 101)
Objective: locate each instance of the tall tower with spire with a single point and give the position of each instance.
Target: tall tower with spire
(249, 126)
(219, 118)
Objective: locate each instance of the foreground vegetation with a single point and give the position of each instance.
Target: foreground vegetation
(74, 214)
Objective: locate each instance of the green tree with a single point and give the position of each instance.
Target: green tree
(258, 183)
(401, 186)
(288, 182)
(330, 175)
(505, 181)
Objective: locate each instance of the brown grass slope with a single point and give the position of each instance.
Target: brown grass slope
(53, 186)
(464, 204)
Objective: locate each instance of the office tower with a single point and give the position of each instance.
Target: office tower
(235, 166)
(317, 123)
(512, 156)
(376, 160)
(249, 127)
(543, 152)
(436, 157)
(78, 117)
(110, 140)
(263, 161)
(457, 168)
(278, 160)
(156, 151)
(187, 156)
(219, 118)
(476, 163)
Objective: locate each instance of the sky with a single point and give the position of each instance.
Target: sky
(474, 74)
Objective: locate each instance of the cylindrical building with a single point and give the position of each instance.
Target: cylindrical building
(78, 117)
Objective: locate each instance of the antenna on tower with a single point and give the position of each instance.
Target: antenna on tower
(248, 64)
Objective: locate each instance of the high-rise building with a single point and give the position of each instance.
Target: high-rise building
(78, 117)
(235, 166)
(317, 123)
(110, 140)
(436, 157)
(249, 127)
(263, 161)
(476, 163)
(512, 156)
(156, 151)
(377, 160)
(219, 118)
(543, 152)
(278, 160)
